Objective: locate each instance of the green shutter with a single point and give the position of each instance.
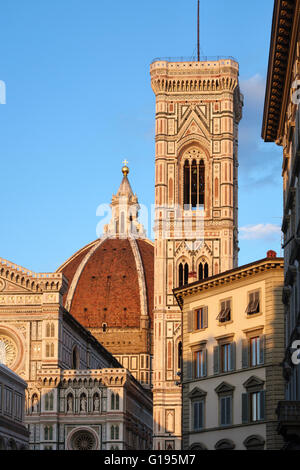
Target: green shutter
(233, 356)
(245, 408)
(245, 353)
(201, 414)
(262, 404)
(228, 401)
(262, 341)
(205, 317)
(190, 321)
(216, 360)
(223, 411)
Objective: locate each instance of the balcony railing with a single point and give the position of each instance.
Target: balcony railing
(193, 59)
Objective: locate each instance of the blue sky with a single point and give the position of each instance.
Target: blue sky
(79, 101)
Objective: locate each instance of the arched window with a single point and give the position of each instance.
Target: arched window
(112, 401)
(117, 401)
(193, 184)
(180, 275)
(186, 177)
(186, 273)
(179, 355)
(48, 433)
(52, 330)
(203, 271)
(114, 432)
(49, 401)
(48, 330)
(183, 274)
(122, 223)
(201, 184)
(194, 179)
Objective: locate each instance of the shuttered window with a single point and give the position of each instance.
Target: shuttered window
(226, 410)
(201, 318)
(253, 303)
(225, 312)
(200, 363)
(253, 406)
(253, 351)
(198, 412)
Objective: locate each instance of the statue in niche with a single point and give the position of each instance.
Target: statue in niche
(35, 403)
(96, 402)
(83, 403)
(70, 403)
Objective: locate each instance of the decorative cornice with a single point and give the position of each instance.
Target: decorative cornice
(228, 277)
(281, 52)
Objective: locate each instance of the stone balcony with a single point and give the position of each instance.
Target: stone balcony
(288, 413)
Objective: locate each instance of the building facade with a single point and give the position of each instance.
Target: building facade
(79, 396)
(13, 432)
(281, 124)
(233, 342)
(198, 109)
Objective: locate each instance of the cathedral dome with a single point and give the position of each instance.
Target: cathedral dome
(111, 282)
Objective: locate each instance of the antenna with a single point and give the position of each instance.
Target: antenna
(198, 31)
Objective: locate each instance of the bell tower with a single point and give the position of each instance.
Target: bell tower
(198, 109)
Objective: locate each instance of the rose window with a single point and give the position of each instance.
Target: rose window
(8, 351)
(83, 440)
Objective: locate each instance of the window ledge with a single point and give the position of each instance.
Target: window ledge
(225, 323)
(253, 315)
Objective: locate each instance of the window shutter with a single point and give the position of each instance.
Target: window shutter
(228, 409)
(216, 359)
(195, 410)
(262, 341)
(205, 363)
(245, 407)
(201, 406)
(262, 404)
(205, 317)
(232, 356)
(190, 321)
(223, 410)
(245, 353)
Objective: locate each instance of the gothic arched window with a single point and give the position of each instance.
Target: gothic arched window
(193, 184)
(183, 274)
(179, 355)
(117, 401)
(112, 401)
(203, 271)
(186, 273)
(186, 171)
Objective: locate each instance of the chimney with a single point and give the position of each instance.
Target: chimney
(192, 277)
